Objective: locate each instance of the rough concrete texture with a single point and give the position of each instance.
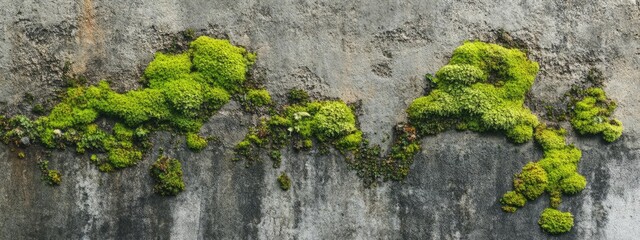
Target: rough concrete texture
(374, 51)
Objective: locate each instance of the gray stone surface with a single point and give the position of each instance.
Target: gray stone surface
(374, 51)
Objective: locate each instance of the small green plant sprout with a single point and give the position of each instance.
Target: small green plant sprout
(555, 222)
(167, 173)
(592, 115)
(285, 182)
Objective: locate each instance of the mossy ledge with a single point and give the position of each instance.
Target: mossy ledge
(181, 92)
(483, 88)
(304, 123)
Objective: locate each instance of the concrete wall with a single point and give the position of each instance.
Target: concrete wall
(374, 51)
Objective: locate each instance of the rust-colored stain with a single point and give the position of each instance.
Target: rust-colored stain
(90, 37)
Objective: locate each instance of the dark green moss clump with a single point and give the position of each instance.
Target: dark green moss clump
(592, 115)
(372, 167)
(285, 182)
(167, 173)
(555, 222)
(298, 96)
(276, 158)
(482, 88)
(51, 177)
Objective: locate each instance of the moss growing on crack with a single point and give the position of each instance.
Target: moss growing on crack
(182, 91)
(482, 88)
(372, 167)
(327, 122)
(167, 173)
(592, 115)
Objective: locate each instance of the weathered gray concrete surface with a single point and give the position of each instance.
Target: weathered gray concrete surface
(374, 51)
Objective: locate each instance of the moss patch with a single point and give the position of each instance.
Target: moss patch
(592, 115)
(555, 222)
(482, 88)
(556, 173)
(284, 181)
(327, 122)
(196, 142)
(51, 177)
(167, 173)
(182, 91)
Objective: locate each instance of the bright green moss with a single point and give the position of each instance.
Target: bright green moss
(196, 142)
(220, 62)
(459, 75)
(350, 142)
(573, 183)
(184, 95)
(121, 132)
(333, 120)
(258, 97)
(95, 138)
(550, 138)
(531, 182)
(482, 88)
(285, 182)
(135, 107)
(559, 169)
(520, 133)
(123, 157)
(183, 91)
(185, 124)
(165, 67)
(555, 222)
(512, 200)
(330, 122)
(215, 98)
(592, 115)
(167, 173)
